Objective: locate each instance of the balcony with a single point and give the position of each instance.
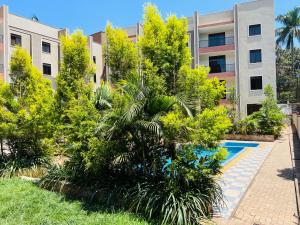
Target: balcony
(222, 71)
(216, 45)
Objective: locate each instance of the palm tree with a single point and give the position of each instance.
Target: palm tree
(289, 32)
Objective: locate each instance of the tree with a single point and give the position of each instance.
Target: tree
(75, 71)
(120, 54)
(26, 106)
(286, 84)
(269, 117)
(164, 44)
(289, 32)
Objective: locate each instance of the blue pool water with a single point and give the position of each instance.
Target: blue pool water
(235, 148)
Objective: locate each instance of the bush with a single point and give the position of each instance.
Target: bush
(269, 120)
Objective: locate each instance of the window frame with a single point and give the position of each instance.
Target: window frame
(249, 35)
(47, 64)
(256, 62)
(48, 43)
(16, 36)
(262, 84)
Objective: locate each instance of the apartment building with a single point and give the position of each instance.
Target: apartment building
(42, 42)
(238, 45)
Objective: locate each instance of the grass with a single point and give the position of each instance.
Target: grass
(22, 202)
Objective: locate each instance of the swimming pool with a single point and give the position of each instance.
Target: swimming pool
(234, 148)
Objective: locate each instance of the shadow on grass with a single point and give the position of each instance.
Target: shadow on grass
(90, 204)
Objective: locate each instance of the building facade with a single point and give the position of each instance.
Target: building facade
(42, 43)
(238, 45)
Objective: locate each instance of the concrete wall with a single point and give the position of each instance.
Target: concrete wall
(218, 17)
(247, 14)
(296, 122)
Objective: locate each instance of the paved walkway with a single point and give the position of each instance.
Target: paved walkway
(271, 199)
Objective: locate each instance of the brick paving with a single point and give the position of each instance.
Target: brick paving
(271, 198)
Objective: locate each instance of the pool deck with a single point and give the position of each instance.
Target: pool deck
(259, 187)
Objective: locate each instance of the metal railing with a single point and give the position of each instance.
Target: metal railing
(222, 68)
(212, 42)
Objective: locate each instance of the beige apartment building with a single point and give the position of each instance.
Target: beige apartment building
(41, 41)
(238, 45)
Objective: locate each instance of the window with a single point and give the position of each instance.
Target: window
(46, 47)
(217, 64)
(252, 108)
(255, 30)
(94, 59)
(216, 39)
(46, 69)
(256, 83)
(15, 40)
(255, 56)
(95, 78)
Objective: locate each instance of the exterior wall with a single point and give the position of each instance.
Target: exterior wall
(33, 34)
(247, 14)
(216, 18)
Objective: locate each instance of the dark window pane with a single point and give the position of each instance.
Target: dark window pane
(46, 47)
(15, 40)
(256, 83)
(255, 56)
(217, 64)
(46, 69)
(216, 39)
(95, 78)
(254, 30)
(252, 108)
(94, 59)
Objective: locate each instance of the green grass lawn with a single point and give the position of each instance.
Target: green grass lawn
(23, 203)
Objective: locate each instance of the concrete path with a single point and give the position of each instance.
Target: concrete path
(271, 198)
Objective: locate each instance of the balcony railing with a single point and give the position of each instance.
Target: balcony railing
(213, 42)
(222, 68)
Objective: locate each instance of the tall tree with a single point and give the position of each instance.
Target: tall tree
(76, 69)
(165, 45)
(121, 54)
(289, 32)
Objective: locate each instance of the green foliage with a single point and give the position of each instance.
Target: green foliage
(269, 117)
(121, 54)
(140, 138)
(269, 120)
(26, 107)
(286, 82)
(75, 70)
(165, 45)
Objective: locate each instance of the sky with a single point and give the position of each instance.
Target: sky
(92, 15)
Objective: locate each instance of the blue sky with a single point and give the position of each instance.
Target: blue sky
(92, 15)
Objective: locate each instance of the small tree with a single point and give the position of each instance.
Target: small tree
(269, 117)
(26, 110)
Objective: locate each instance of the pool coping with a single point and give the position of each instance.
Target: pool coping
(230, 179)
(240, 152)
